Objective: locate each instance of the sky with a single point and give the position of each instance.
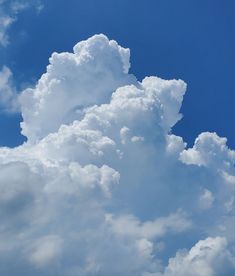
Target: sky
(191, 40)
(117, 137)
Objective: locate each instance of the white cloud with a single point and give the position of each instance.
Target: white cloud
(206, 199)
(208, 257)
(128, 225)
(44, 250)
(83, 78)
(211, 151)
(5, 22)
(8, 94)
(102, 186)
(9, 10)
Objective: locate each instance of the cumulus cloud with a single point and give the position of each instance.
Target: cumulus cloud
(102, 186)
(83, 78)
(208, 257)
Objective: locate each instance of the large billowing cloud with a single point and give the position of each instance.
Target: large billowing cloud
(103, 187)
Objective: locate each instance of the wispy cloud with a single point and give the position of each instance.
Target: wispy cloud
(9, 11)
(8, 93)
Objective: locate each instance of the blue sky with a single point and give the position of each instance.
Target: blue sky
(191, 40)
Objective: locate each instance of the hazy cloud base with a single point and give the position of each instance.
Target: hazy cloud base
(102, 186)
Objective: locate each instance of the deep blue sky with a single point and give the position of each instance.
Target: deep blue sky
(191, 40)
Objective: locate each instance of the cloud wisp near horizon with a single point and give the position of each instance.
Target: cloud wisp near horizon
(102, 186)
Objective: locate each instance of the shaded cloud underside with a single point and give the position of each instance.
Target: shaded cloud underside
(102, 186)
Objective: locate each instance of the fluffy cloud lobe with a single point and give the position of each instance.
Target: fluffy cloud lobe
(102, 186)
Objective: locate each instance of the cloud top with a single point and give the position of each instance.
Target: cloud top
(73, 82)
